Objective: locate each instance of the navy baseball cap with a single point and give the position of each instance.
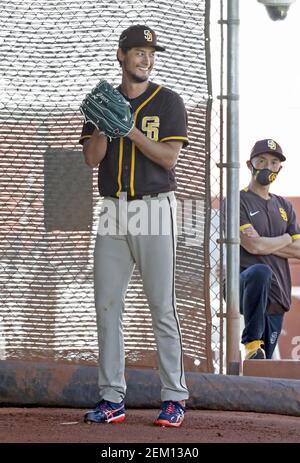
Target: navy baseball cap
(139, 36)
(267, 146)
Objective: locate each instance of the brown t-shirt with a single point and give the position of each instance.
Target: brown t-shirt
(270, 218)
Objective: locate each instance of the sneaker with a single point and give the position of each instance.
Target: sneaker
(171, 414)
(254, 351)
(106, 412)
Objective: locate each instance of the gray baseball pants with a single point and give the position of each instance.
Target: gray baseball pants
(129, 234)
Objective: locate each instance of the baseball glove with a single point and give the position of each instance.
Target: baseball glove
(108, 110)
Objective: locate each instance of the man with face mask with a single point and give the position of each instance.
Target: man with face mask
(269, 236)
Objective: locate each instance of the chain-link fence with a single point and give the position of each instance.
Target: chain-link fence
(53, 53)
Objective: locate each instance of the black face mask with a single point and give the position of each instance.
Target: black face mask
(264, 176)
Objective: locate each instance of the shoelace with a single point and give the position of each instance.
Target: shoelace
(103, 405)
(170, 408)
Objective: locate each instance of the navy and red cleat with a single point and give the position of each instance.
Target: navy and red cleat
(106, 412)
(171, 414)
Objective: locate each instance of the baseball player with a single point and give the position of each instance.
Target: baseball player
(269, 236)
(138, 171)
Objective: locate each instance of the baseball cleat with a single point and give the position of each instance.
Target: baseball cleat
(254, 351)
(106, 412)
(171, 414)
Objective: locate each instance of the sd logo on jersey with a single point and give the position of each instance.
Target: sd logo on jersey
(283, 214)
(150, 125)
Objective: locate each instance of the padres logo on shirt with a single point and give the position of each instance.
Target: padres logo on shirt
(150, 125)
(283, 214)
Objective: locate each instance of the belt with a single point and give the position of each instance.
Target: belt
(139, 197)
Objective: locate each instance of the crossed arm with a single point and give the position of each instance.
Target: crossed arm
(282, 246)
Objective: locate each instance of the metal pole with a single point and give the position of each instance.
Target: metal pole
(232, 194)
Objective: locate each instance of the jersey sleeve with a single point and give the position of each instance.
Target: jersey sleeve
(173, 127)
(244, 219)
(293, 228)
(86, 133)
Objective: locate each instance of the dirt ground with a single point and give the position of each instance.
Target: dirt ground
(54, 425)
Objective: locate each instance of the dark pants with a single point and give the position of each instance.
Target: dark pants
(255, 283)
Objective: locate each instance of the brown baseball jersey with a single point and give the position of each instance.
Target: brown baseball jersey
(160, 114)
(270, 218)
